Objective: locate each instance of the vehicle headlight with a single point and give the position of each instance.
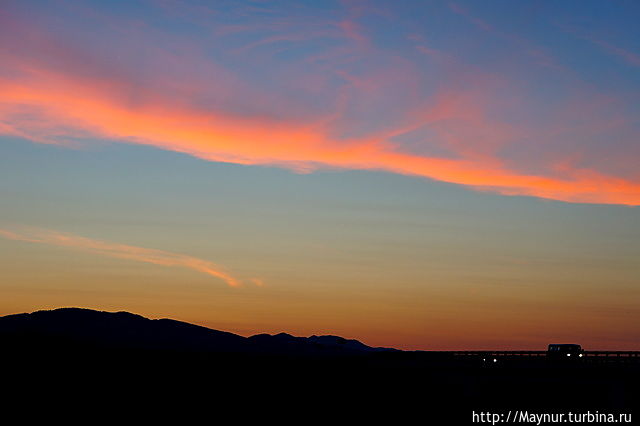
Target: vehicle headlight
(568, 354)
(580, 355)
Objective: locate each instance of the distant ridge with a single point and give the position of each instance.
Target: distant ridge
(105, 357)
(81, 327)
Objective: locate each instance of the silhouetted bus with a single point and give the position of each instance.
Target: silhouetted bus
(565, 351)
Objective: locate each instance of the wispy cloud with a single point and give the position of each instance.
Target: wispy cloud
(346, 110)
(220, 137)
(631, 57)
(483, 25)
(120, 251)
(628, 56)
(538, 54)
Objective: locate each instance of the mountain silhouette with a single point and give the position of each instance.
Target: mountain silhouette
(160, 363)
(124, 330)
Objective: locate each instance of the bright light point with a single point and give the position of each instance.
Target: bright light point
(580, 355)
(568, 354)
(495, 360)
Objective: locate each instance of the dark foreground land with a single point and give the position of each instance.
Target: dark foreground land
(76, 360)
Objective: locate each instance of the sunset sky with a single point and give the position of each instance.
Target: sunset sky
(415, 174)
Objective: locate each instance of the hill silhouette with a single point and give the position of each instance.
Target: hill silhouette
(127, 331)
(168, 363)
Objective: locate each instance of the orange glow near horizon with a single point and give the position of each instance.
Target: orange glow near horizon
(420, 175)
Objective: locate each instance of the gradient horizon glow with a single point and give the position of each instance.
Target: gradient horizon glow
(418, 174)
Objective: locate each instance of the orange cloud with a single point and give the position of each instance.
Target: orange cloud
(121, 251)
(257, 281)
(73, 106)
(49, 100)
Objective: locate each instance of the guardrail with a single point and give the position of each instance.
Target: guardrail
(612, 356)
(500, 353)
(591, 356)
